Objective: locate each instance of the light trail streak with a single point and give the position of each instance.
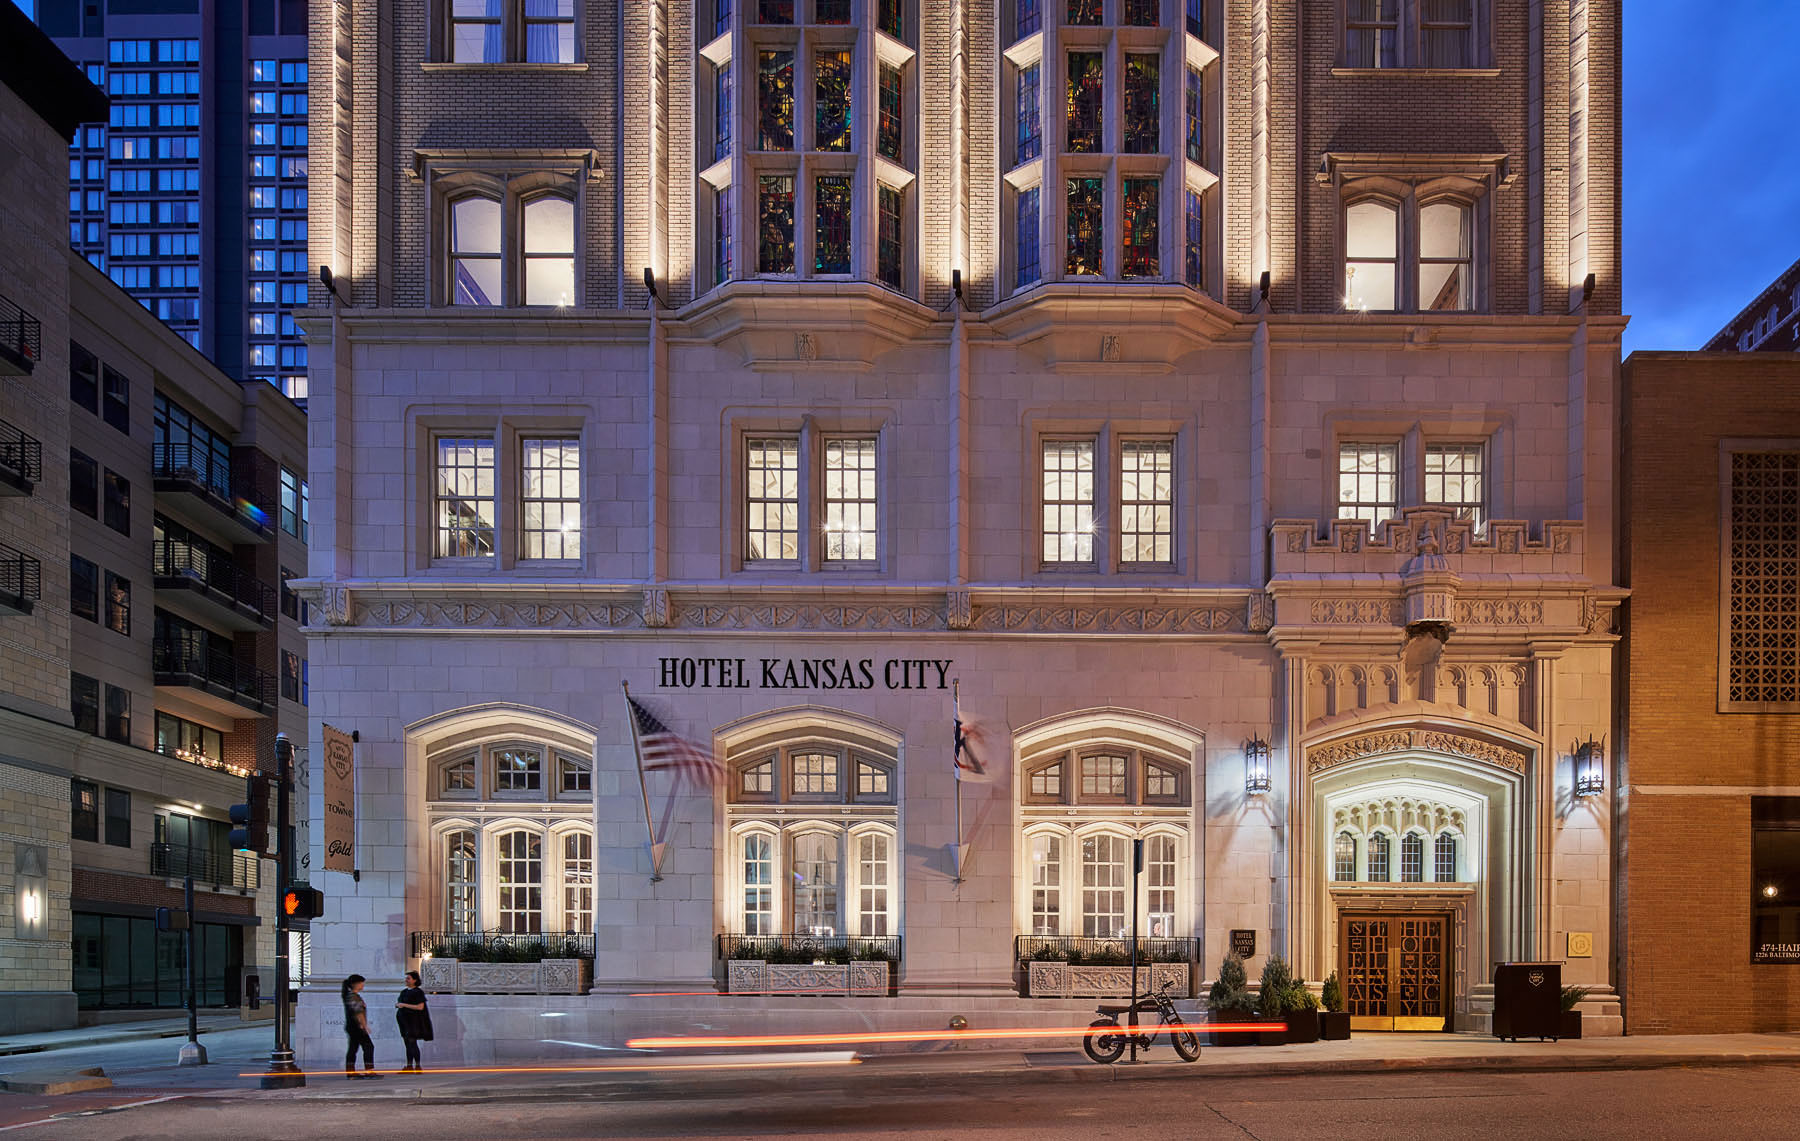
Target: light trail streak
(872, 1037)
(774, 1062)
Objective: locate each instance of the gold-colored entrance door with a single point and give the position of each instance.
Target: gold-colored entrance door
(1396, 971)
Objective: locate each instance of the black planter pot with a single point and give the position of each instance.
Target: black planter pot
(1239, 1038)
(1571, 1024)
(1334, 1025)
(1302, 1026)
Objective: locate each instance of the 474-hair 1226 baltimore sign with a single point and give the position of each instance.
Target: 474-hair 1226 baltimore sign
(803, 673)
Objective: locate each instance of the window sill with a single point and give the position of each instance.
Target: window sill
(1419, 72)
(518, 65)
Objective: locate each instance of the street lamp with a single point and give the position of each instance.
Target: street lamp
(1590, 768)
(1256, 766)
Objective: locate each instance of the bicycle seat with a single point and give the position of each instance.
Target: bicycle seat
(1142, 1006)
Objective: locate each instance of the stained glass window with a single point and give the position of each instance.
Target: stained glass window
(1031, 18)
(831, 11)
(831, 235)
(1195, 24)
(775, 100)
(831, 101)
(887, 238)
(1195, 245)
(887, 134)
(1196, 150)
(1143, 104)
(1085, 13)
(1031, 122)
(1025, 236)
(722, 236)
(889, 18)
(1087, 72)
(1142, 195)
(722, 16)
(775, 223)
(1141, 13)
(1087, 225)
(722, 112)
(774, 11)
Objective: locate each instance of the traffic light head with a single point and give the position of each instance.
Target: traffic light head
(251, 819)
(303, 902)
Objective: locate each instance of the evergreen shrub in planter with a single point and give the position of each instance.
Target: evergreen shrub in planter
(1229, 1000)
(1334, 1021)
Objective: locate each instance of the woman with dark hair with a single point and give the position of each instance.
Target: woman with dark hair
(414, 1019)
(356, 1028)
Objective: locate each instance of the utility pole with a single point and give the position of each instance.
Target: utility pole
(282, 1073)
(192, 1052)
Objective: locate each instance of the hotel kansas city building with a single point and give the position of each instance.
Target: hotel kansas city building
(1214, 400)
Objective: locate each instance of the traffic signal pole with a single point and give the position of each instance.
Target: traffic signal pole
(283, 1073)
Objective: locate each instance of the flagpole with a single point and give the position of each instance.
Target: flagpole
(643, 784)
(956, 771)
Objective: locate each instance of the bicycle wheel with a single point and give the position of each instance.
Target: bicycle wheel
(1104, 1048)
(1185, 1041)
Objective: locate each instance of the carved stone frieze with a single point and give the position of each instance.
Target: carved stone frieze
(785, 977)
(1110, 619)
(1358, 611)
(1403, 740)
(502, 615)
(868, 978)
(1597, 618)
(1109, 347)
(656, 607)
(335, 605)
(438, 975)
(808, 616)
(1066, 980)
(746, 976)
(1261, 615)
(806, 347)
(1499, 612)
(958, 610)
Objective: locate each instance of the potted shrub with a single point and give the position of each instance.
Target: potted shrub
(1302, 1013)
(1229, 1000)
(1334, 1020)
(1283, 998)
(1571, 1018)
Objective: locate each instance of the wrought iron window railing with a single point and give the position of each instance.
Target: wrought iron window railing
(213, 668)
(21, 336)
(1103, 952)
(809, 948)
(21, 576)
(226, 869)
(21, 453)
(503, 946)
(174, 558)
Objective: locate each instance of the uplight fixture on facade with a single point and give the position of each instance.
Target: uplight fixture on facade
(1256, 766)
(1590, 768)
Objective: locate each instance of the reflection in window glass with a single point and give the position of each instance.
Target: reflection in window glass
(872, 887)
(550, 251)
(1371, 242)
(772, 499)
(1444, 257)
(460, 884)
(550, 499)
(550, 31)
(476, 32)
(475, 251)
(465, 495)
(1046, 885)
(1368, 482)
(578, 882)
(815, 884)
(517, 770)
(521, 868)
(1159, 886)
(850, 525)
(759, 881)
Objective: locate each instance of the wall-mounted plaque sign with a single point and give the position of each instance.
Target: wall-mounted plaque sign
(1243, 943)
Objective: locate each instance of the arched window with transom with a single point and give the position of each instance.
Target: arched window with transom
(1343, 858)
(1412, 858)
(1444, 857)
(1378, 858)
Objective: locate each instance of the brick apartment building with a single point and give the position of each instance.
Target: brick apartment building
(1223, 391)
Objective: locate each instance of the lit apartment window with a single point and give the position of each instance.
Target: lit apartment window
(772, 499)
(1404, 255)
(1454, 478)
(1371, 254)
(1368, 481)
(850, 501)
(823, 512)
(550, 493)
(1147, 502)
(465, 497)
(1068, 502)
(1445, 257)
(1409, 33)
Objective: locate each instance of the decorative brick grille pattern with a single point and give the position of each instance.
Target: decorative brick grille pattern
(1764, 648)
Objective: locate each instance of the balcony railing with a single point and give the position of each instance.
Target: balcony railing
(1103, 952)
(809, 948)
(21, 338)
(228, 869)
(202, 564)
(21, 581)
(176, 664)
(207, 474)
(503, 946)
(21, 459)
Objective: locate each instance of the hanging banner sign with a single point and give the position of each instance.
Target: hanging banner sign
(339, 772)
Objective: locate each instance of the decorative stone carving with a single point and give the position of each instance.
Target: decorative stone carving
(438, 975)
(806, 347)
(1261, 613)
(1499, 612)
(1109, 347)
(1402, 740)
(1596, 618)
(1358, 611)
(754, 976)
(565, 976)
(1065, 980)
(1109, 619)
(791, 616)
(335, 604)
(958, 610)
(502, 615)
(746, 976)
(869, 978)
(789, 978)
(497, 978)
(656, 607)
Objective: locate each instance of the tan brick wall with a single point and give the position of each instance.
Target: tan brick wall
(34, 809)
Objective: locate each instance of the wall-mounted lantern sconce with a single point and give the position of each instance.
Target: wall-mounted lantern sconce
(1256, 766)
(1590, 768)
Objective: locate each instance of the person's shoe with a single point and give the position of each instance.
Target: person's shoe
(371, 1075)
(351, 1075)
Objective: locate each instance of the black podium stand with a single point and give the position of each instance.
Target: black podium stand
(1527, 1000)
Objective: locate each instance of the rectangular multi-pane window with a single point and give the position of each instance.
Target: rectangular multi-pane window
(759, 884)
(890, 17)
(815, 884)
(1412, 858)
(1025, 236)
(1378, 858)
(84, 703)
(1143, 104)
(872, 883)
(1104, 860)
(1046, 885)
(1371, 33)
(774, 11)
(871, 781)
(84, 810)
(850, 500)
(1068, 481)
(889, 244)
(1138, 216)
(1103, 776)
(465, 497)
(1159, 886)
(831, 216)
(118, 604)
(815, 774)
(549, 31)
(1371, 256)
(1193, 109)
(722, 236)
(1030, 18)
(771, 499)
(775, 216)
(831, 11)
(775, 100)
(116, 505)
(1444, 33)
(1087, 77)
(518, 769)
(550, 498)
(1368, 482)
(722, 112)
(460, 883)
(115, 404)
(1147, 502)
(1763, 541)
(1454, 478)
(521, 868)
(888, 137)
(578, 882)
(1343, 857)
(1443, 858)
(1194, 243)
(477, 31)
(1087, 226)
(290, 502)
(1445, 257)
(831, 101)
(1029, 115)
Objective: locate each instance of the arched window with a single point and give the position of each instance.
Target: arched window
(1378, 858)
(1444, 857)
(521, 874)
(578, 881)
(461, 903)
(1343, 857)
(475, 230)
(1412, 858)
(549, 251)
(1371, 255)
(1445, 257)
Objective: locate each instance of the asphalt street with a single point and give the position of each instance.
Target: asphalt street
(1736, 1102)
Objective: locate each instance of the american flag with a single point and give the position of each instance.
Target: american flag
(968, 765)
(660, 747)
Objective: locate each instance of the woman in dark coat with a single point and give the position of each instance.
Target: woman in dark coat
(414, 1019)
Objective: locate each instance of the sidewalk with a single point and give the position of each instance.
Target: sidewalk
(174, 1026)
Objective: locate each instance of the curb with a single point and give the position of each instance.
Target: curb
(111, 1039)
(921, 1080)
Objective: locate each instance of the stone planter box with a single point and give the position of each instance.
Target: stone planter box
(548, 976)
(1065, 980)
(756, 976)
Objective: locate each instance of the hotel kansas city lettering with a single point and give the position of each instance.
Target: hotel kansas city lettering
(803, 673)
